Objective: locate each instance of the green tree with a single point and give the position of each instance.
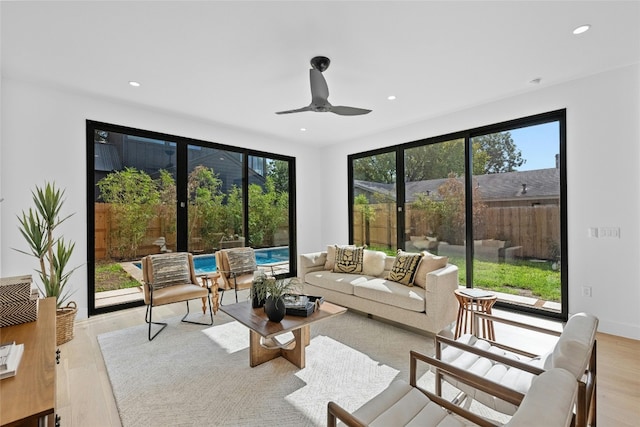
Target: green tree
(377, 168)
(501, 152)
(133, 199)
(368, 213)
(278, 170)
(167, 207)
(436, 161)
(233, 213)
(445, 214)
(206, 212)
(268, 211)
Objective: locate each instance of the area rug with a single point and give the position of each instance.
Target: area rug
(199, 375)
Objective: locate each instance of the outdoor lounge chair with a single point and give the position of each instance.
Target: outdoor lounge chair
(505, 365)
(170, 278)
(548, 403)
(236, 267)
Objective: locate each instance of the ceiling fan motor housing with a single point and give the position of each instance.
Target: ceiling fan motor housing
(320, 63)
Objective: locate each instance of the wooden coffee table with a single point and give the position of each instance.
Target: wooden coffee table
(260, 327)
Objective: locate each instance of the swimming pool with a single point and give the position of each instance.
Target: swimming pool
(204, 264)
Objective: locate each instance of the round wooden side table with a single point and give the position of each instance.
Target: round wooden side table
(470, 304)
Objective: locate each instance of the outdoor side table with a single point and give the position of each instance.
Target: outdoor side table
(211, 282)
(474, 301)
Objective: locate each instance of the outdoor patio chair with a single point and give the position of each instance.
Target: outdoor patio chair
(508, 366)
(548, 403)
(170, 278)
(236, 267)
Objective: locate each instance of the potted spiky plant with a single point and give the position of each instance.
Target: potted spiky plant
(38, 227)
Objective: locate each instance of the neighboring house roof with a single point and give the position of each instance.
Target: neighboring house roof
(519, 185)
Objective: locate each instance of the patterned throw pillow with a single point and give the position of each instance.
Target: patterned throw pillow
(242, 260)
(348, 260)
(404, 267)
(170, 270)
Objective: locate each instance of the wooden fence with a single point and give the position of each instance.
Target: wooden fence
(103, 233)
(535, 228)
(104, 249)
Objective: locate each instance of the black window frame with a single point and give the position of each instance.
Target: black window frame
(551, 116)
(182, 144)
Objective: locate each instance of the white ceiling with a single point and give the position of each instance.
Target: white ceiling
(237, 63)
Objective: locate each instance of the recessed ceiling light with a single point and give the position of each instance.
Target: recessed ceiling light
(134, 84)
(581, 29)
(303, 129)
(391, 97)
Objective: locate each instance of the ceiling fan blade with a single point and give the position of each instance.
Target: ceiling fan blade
(319, 88)
(297, 110)
(348, 111)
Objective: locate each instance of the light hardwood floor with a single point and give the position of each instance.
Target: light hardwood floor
(85, 398)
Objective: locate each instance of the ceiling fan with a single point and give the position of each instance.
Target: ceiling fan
(320, 93)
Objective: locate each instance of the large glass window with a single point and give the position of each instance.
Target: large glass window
(268, 198)
(435, 217)
(215, 213)
(374, 221)
(152, 193)
(517, 235)
(490, 199)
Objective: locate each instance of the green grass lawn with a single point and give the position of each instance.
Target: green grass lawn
(520, 278)
(111, 276)
(526, 278)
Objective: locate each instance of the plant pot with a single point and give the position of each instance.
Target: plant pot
(65, 319)
(256, 302)
(275, 309)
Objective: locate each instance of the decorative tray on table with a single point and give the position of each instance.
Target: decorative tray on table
(301, 305)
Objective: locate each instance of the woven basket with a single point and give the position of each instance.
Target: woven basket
(65, 318)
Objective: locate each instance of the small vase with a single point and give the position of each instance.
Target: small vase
(275, 309)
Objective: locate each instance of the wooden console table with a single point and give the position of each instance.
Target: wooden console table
(29, 398)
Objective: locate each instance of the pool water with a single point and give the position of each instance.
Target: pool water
(204, 264)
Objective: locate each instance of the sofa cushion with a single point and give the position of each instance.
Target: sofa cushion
(348, 260)
(428, 264)
(391, 293)
(573, 349)
(331, 257)
(405, 267)
(403, 405)
(492, 243)
(373, 262)
(339, 282)
(549, 401)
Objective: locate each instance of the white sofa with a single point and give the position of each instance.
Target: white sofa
(429, 304)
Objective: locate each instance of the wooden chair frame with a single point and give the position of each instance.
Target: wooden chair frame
(586, 401)
(336, 412)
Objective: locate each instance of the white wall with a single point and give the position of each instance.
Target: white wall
(603, 137)
(43, 139)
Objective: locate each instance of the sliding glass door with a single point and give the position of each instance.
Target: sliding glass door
(152, 193)
(492, 200)
(517, 236)
(374, 219)
(435, 216)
